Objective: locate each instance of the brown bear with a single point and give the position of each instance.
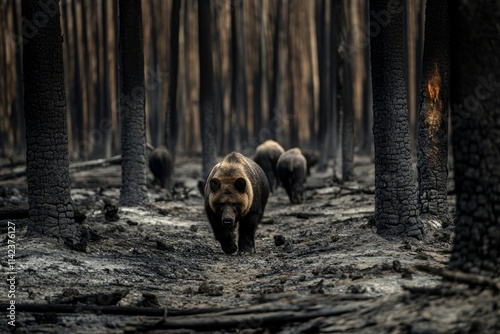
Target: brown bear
(292, 169)
(266, 156)
(236, 193)
(161, 165)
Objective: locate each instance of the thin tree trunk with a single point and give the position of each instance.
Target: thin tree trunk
(132, 99)
(274, 98)
(367, 114)
(334, 89)
(236, 87)
(106, 123)
(207, 111)
(172, 123)
(324, 87)
(347, 93)
(19, 73)
(95, 134)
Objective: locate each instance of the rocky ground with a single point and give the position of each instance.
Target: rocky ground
(319, 267)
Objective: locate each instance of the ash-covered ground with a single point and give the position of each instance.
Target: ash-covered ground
(319, 267)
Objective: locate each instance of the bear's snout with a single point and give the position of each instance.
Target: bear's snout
(228, 216)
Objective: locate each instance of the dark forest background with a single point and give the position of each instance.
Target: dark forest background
(291, 70)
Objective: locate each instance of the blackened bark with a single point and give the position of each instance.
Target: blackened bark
(395, 192)
(432, 147)
(21, 127)
(323, 43)
(51, 209)
(348, 115)
(106, 122)
(334, 120)
(77, 111)
(132, 97)
(207, 111)
(236, 86)
(153, 86)
(172, 123)
(475, 116)
(276, 80)
(366, 120)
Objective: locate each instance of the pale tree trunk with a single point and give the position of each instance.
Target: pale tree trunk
(132, 98)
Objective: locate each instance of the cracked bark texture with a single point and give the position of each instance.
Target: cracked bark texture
(432, 150)
(396, 212)
(132, 95)
(51, 209)
(475, 115)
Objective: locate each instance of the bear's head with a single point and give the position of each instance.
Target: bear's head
(230, 194)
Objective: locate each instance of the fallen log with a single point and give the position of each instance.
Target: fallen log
(116, 160)
(461, 277)
(117, 310)
(73, 167)
(11, 212)
(218, 321)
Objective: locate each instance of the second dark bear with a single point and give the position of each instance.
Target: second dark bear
(292, 169)
(266, 156)
(236, 193)
(161, 165)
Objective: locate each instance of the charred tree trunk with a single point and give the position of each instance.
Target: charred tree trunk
(324, 84)
(366, 121)
(334, 81)
(132, 101)
(236, 86)
(475, 116)
(347, 94)
(78, 139)
(106, 123)
(396, 213)
(207, 110)
(47, 160)
(171, 120)
(432, 148)
(274, 97)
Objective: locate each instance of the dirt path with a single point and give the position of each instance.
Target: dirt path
(321, 256)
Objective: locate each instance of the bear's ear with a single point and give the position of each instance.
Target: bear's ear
(240, 184)
(214, 184)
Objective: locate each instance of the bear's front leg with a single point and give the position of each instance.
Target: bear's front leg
(246, 235)
(226, 237)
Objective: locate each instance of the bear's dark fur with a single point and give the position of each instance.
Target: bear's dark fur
(292, 171)
(161, 165)
(266, 156)
(236, 193)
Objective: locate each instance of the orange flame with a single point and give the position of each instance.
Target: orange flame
(434, 85)
(433, 110)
